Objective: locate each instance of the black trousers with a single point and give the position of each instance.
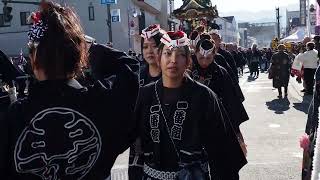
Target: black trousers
(255, 68)
(309, 79)
(285, 90)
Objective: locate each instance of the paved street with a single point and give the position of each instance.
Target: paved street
(272, 133)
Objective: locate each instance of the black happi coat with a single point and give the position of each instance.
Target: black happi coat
(196, 122)
(65, 131)
(136, 155)
(8, 73)
(220, 60)
(102, 61)
(238, 58)
(230, 60)
(219, 81)
(145, 77)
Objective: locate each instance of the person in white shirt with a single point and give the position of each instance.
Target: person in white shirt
(309, 60)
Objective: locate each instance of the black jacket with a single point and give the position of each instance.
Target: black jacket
(230, 60)
(219, 81)
(220, 60)
(196, 121)
(8, 72)
(65, 131)
(145, 77)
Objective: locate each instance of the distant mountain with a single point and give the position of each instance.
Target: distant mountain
(262, 16)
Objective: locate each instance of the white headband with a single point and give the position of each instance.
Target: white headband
(204, 52)
(214, 31)
(148, 34)
(195, 42)
(184, 41)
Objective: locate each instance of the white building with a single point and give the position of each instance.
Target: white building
(134, 15)
(228, 29)
(13, 35)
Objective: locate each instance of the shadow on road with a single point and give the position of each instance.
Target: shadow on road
(304, 105)
(250, 78)
(279, 105)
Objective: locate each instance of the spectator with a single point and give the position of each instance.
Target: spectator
(309, 60)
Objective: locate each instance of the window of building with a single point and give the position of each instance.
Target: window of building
(91, 13)
(24, 18)
(2, 22)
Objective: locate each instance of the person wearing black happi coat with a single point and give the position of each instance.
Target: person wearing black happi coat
(63, 130)
(150, 73)
(181, 124)
(206, 71)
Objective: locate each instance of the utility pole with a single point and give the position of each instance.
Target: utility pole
(109, 22)
(278, 21)
(308, 19)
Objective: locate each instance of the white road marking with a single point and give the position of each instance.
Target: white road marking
(274, 125)
(284, 133)
(297, 155)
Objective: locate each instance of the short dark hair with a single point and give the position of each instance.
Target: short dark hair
(316, 39)
(62, 51)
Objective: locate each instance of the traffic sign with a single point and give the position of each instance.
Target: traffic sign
(115, 19)
(108, 1)
(115, 15)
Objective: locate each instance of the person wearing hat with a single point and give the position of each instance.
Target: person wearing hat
(226, 54)
(208, 72)
(182, 126)
(280, 70)
(221, 61)
(150, 73)
(151, 40)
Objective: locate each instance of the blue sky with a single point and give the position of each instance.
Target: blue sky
(225, 6)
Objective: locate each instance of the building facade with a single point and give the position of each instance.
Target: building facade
(134, 16)
(262, 33)
(292, 21)
(13, 34)
(228, 29)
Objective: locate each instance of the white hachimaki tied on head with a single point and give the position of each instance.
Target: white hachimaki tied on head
(194, 38)
(37, 30)
(214, 29)
(151, 31)
(206, 47)
(180, 40)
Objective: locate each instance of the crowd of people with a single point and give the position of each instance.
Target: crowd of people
(179, 109)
